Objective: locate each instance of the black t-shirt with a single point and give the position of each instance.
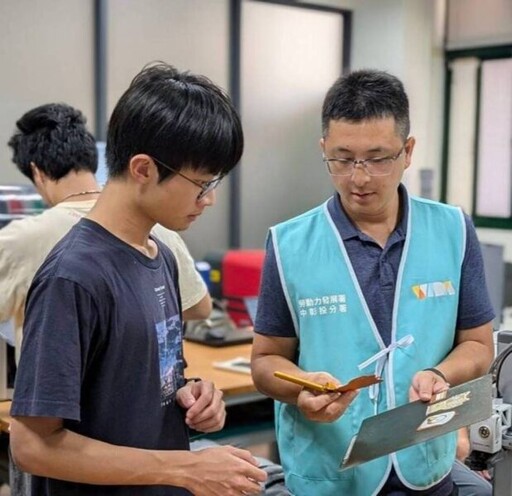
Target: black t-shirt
(102, 349)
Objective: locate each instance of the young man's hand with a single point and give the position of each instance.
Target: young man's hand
(205, 409)
(224, 471)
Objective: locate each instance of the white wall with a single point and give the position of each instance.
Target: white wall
(283, 83)
(193, 34)
(404, 37)
(46, 55)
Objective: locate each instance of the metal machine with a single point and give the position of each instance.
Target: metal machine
(491, 439)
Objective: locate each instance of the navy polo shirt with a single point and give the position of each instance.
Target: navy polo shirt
(376, 269)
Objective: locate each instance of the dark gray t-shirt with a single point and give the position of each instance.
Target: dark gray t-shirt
(102, 349)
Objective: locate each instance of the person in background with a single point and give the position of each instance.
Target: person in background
(113, 417)
(54, 149)
(371, 281)
(469, 482)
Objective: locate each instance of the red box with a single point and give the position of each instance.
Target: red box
(241, 276)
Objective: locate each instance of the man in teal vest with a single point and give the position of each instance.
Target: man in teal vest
(371, 281)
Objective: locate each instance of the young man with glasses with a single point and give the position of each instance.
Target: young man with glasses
(204, 186)
(101, 405)
(372, 281)
(53, 148)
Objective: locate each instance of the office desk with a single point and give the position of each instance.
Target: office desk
(237, 388)
(5, 419)
(245, 426)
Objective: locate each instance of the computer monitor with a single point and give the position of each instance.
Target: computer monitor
(494, 265)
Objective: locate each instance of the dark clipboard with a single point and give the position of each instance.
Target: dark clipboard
(418, 421)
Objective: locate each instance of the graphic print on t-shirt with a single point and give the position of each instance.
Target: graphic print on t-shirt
(169, 353)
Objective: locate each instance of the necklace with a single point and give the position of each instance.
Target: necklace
(80, 193)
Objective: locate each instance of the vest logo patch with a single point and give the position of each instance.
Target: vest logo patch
(433, 289)
(322, 305)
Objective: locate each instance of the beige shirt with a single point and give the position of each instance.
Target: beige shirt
(25, 243)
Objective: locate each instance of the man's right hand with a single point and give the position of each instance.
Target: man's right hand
(323, 407)
(224, 471)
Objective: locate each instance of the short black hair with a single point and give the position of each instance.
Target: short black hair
(54, 137)
(367, 94)
(178, 118)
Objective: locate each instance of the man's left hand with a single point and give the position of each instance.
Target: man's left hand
(205, 409)
(425, 384)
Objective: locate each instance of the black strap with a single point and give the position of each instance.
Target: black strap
(192, 379)
(437, 372)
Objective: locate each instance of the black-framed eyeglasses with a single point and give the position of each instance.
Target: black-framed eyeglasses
(377, 166)
(206, 186)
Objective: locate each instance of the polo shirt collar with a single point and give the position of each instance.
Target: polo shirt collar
(348, 230)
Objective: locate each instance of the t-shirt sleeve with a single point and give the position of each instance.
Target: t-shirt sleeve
(60, 320)
(192, 286)
(15, 278)
(475, 308)
(273, 317)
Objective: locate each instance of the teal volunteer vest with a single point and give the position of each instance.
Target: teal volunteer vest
(337, 334)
